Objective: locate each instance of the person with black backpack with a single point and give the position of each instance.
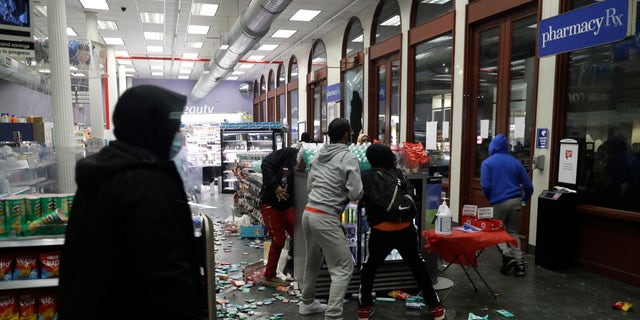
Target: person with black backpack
(390, 208)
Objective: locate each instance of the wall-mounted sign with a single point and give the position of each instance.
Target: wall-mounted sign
(568, 165)
(542, 138)
(333, 93)
(593, 25)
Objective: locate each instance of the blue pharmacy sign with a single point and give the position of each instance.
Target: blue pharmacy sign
(333, 92)
(593, 25)
(542, 138)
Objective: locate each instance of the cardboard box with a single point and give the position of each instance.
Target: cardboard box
(255, 231)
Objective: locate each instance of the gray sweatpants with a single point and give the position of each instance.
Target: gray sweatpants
(509, 212)
(325, 236)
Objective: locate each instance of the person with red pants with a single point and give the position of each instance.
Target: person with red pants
(276, 207)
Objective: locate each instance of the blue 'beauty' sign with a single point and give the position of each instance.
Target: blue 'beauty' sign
(593, 25)
(333, 92)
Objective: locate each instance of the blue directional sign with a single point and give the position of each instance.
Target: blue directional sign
(333, 92)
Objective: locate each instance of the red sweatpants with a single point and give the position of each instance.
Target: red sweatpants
(277, 222)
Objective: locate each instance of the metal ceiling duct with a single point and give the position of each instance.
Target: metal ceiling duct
(251, 26)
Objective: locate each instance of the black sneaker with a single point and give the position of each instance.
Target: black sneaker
(520, 269)
(507, 264)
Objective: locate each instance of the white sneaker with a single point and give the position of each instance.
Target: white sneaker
(315, 307)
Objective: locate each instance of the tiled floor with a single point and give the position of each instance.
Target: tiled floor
(541, 294)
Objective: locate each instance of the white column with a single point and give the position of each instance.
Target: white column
(112, 93)
(122, 80)
(61, 94)
(96, 101)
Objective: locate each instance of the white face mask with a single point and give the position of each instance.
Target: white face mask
(176, 146)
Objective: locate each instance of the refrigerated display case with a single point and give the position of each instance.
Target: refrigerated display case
(243, 147)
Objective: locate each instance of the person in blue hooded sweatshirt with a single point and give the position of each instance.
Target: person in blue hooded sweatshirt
(507, 186)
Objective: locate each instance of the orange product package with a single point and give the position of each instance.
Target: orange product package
(27, 307)
(6, 266)
(47, 309)
(8, 307)
(26, 267)
(49, 265)
(400, 295)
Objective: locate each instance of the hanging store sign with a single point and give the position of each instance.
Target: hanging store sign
(205, 109)
(596, 24)
(333, 93)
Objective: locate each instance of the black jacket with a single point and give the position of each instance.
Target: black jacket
(275, 166)
(130, 251)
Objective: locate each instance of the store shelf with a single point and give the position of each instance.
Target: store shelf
(26, 284)
(30, 182)
(32, 241)
(14, 192)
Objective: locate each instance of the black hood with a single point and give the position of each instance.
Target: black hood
(380, 156)
(148, 117)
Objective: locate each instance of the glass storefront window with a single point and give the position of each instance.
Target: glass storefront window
(353, 82)
(432, 97)
(355, 38)
(487, 94)
(293, 105)
(428, 10)
(387, 22)
(603, 115)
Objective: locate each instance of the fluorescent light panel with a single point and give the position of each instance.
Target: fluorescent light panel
(391, 22)
(183, 77)
(255, 58)
(113, 41)
(283, 33)
(107, 25)
(232, 78)
(130, 69)
(187, 64)
(71, 32)
(246, 65)
(184, 71)
(238, 72)
(268, 47)
(95, 4)
(153, 35)
(305, 15)
(125, 62)
(190, 55)
(122, 53)
(157, 67)
(152, 17)
(204, 9)
(196, 29)
(157, 73)
(195, 45)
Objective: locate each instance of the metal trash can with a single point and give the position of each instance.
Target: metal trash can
(557, 231)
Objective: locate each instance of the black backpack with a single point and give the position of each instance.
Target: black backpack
(391, 196)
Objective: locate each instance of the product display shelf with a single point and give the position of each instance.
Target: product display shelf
(251, 186)
(19, 176)
(26, 242)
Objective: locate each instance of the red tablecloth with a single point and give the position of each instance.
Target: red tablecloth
(463, 245)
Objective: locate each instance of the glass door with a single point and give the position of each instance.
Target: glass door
(387, 103)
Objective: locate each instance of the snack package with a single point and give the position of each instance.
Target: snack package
(26, 267)
(16, 215)
(3, 220)
(8, 308)
(47, 309)
(6, 265)
(622, 305)
(49, 265)
(33, 207)
(51, 223)
(27, 307)
(400, 295)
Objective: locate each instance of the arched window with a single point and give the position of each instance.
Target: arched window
(318, 57)
(282, 75)
(354, 38)
(352, 72)
(292, 100)
(386, 22)
(317, 114)
(424, 11)
(272, 81)
(293, 69)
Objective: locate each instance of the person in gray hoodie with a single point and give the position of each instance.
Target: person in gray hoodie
(334, 181)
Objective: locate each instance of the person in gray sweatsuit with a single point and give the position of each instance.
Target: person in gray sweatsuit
(334, 181)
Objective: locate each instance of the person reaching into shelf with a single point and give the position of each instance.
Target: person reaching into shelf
(276, 208)
(387, 235)
(130, 250)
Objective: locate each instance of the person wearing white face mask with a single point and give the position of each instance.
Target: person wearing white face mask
(130, 240)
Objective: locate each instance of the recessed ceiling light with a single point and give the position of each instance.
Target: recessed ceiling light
(78, 74)
(153, 35)
(183, 77)
(151, 17)
(113, 41)
(224, 47)
(184, 71)
(95, 4)
(122, 53)
(130, 70)
(196, 45)
(238, 72)
(44, 70)
(107, 25)
(282, 33)
(391, 22)
(195, 29)
(305, 15)
(157, 74)
(187, 64)
(157, 67)
(125, 62)
(232, 78)
(190, 55)
(41, 10)
(155, 49)
(204, 9)
(246, 65)
(255, 58)
(268, 47)
(71, 32)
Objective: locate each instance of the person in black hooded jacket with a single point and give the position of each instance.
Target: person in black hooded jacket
(130, 250)
(276, 206)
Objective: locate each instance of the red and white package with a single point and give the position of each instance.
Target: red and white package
(27, 307)
(47, 309)
(6, 266)
(26, 267)
(8, 307)
(49, 265)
